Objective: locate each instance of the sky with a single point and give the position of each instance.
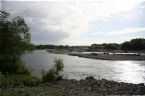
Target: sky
(80, 22)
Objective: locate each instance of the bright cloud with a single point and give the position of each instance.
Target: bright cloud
(119, 32)
(126, 31)
(71, 18)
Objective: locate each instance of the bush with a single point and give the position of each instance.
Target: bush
(54, 73)
(58, 65)
(49, 75)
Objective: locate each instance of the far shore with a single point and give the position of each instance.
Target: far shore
(138, 56)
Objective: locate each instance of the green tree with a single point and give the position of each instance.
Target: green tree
(111, 46)
(125, 46)
(14, 41)
(135, 44)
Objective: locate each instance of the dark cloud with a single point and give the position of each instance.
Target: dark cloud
(39, 32)
(49, 37)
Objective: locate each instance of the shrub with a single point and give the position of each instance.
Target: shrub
(49, 76)
(58, 65)
(54, 73)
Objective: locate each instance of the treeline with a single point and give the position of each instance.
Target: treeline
(104, 46)
(52, 46)
(134, 44)
(137, 44)
(61, 47)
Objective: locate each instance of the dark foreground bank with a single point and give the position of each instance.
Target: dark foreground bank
(87, 87)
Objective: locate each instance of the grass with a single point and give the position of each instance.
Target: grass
(17, 80)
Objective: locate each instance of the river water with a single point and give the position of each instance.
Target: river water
(80, 68)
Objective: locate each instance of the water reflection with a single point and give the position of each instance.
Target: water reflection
(79, 68)
(130, 71)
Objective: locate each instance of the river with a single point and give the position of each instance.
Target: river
(80, 68)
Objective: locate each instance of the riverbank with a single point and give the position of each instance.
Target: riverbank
(56, 51)
(138, 56)
(112, 56)
(87, 87)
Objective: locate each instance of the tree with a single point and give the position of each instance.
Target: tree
(125, 46)
(111, 46)
(134, 44)
(14, 41)
(137, 44)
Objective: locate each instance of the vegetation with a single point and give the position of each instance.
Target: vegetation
(18, 80)
(52, 47)
(137, 44)
(111, 46)
(134, 44)
(54, 73)
(13, 80)
(104, 47)
(14, 41)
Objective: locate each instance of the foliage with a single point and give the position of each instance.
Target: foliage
(59, 47)
(7, 80)
(125, 46)
(104, 46)
(137, 44)
(58, 64)
(95, 47)
(134, 44)
(111, 46)
(14, 41)
(54, 73)
(49, 76)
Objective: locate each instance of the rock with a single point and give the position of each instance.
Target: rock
(90, 78)
(87, 87)
(141, 84)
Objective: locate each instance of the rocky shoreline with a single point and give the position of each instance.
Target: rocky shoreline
(112, 56)
(87, 87)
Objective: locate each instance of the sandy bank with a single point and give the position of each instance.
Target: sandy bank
(112, 56)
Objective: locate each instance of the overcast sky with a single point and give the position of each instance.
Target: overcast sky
(80, 22)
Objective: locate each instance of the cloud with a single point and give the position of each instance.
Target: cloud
(64, 21)
(126, 31)
(49, 37)
(122, 32)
